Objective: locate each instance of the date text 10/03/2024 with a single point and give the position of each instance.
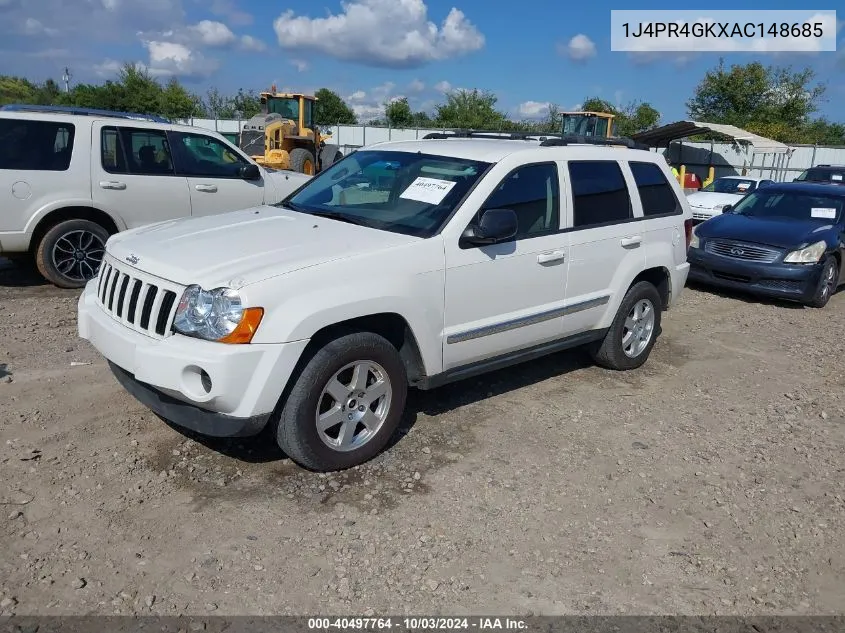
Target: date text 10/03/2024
(416, 624)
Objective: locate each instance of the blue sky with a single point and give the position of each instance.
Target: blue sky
(530, 53)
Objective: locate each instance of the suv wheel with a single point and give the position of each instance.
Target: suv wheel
(345, 404)
(70, 253)
(633, 332)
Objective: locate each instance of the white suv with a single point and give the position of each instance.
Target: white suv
(70, 178)
(409, 263)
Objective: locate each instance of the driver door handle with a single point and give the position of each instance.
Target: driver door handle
(552, 256)
(634, 240)
(112, 184)
(206, 188)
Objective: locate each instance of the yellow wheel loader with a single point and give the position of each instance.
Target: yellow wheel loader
(591, 124)
(283, 136)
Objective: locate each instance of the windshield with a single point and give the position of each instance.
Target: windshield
(792, 205)
(287, 107)
(402, 192)
(823, 175)
(738, 186)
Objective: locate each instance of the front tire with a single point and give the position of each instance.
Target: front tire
(345, 404)
(633, 332)
(70, 253)
(302, 161)
(828, 282)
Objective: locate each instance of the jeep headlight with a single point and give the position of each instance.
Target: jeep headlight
(809, 255)
(216, 315)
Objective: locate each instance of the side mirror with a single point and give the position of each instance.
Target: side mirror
(728, 209)
(250, 172)
(495, 225)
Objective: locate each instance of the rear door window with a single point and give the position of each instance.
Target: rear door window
(656, 193)
(29, 145)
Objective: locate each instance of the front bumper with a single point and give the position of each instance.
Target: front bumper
(236, 395)
(795, 282)
(700, 214)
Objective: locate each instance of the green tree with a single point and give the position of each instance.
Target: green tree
(470, 109)
(218, 105)
(176, 102)
(247, 103)
(332, 110)
(141, 93)
(634, 117)
(16, 90)
(753, 97)
(421, 119)
(398, 113)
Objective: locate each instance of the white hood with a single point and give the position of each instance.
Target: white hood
(283, 182)
(707, 200)
(242, 247)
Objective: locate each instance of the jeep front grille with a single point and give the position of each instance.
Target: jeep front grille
(742, 250)
(141, 302)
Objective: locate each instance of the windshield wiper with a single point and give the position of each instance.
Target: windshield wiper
(340, 217)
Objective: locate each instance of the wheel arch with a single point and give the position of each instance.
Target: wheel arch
(71, 212)
(391, 325)
(660, 278)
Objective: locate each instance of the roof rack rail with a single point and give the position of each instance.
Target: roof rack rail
(575, 139)
(507, 136)
(19, 107)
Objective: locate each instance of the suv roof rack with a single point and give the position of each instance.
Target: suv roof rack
(18, 107)
(827, 165)
(507, 136)
(576, 139)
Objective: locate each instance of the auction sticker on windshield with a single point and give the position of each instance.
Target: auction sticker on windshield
(826, 213)
(430, 190)
(836, 177)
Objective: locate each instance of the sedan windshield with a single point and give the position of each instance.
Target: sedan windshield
(730, 185)
(791, 205)
(402, 192)
(823, 175)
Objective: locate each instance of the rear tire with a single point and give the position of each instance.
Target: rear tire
(328, 423)
(828, 282)
(70, 253)
(633, 332)
(302, 160)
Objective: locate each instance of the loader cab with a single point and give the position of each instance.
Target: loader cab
(593, 124)
(296, 107)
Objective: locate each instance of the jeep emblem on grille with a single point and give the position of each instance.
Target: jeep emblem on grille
(737, 251)
(132, 259)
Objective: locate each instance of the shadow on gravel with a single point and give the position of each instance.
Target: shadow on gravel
(738, 295)
(262, 448)
(15, 274)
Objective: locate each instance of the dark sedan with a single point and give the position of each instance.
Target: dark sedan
(785, 241)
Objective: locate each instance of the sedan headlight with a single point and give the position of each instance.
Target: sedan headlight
(216, 315)
(719, 207)
(809, 255)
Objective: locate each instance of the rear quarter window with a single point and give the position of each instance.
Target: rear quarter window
(655, 192)
(29, 145)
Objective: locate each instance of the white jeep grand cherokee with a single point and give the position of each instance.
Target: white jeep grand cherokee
(410, 263)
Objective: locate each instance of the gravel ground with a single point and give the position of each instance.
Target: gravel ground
(709, 481)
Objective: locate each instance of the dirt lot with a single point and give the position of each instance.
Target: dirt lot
(710, 481)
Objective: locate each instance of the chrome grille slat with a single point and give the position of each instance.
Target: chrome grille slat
(153, 308)
(743, 251)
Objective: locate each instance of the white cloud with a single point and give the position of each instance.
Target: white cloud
(533, 109)
(300, 65)
(416, 86)
(579, 49)
(368, 105)
(250, 43)
(34, 27)
(211, 33)
(168, 59)
(381, 33)
(443, 86)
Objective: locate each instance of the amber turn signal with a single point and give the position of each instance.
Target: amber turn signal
(246, 328)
